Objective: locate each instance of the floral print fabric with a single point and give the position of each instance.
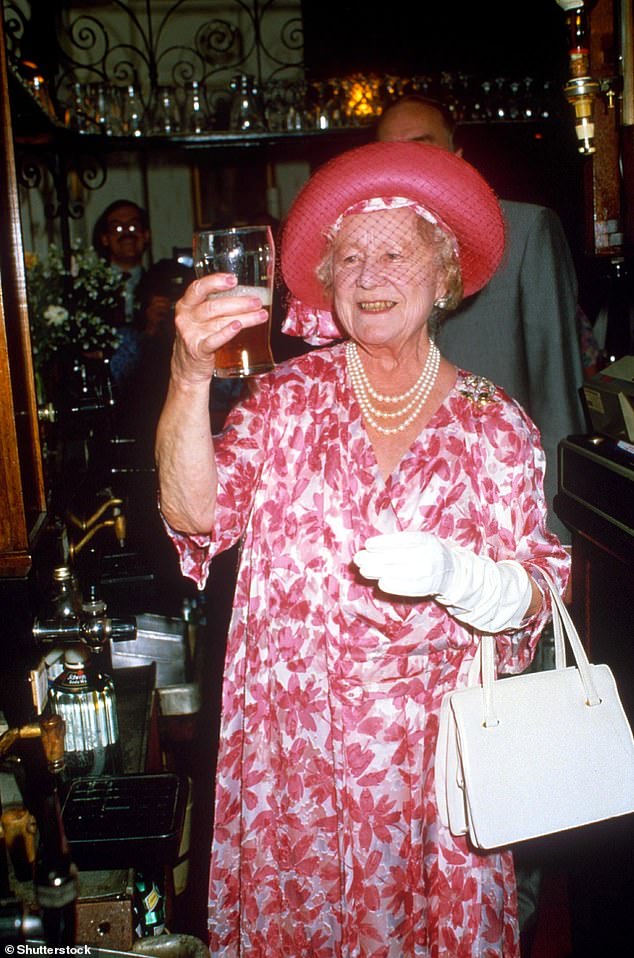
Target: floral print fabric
(326, 837)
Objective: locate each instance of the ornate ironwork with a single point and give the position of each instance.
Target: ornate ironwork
(58, 177)
(129, 72)
(33, 169)
(140, 44)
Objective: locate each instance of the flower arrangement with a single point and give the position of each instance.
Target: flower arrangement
(72, 309)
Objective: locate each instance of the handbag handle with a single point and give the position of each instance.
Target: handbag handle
(563, 628)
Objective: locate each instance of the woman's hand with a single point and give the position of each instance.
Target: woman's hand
(205, 320)
(491, 596)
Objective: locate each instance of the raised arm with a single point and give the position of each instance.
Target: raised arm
(184, 446)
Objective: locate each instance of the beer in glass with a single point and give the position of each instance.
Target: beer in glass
(249, 253)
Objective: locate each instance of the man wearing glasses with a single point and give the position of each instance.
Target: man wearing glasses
(122, 235)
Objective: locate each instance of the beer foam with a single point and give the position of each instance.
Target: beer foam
(263, 292)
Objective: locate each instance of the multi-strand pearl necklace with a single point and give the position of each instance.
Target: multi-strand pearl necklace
(414, 398)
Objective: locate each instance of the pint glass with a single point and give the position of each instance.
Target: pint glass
(249, 253)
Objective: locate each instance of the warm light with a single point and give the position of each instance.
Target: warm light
(362, 99)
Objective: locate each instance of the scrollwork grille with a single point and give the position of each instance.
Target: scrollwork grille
(149, 44)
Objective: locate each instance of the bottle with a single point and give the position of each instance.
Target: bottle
(578, 41)
(65, 601)
(246, 112)
(149, 905)
(165, 115)
(194, 116)
(85, 699)
(132, 112)
(61, 614)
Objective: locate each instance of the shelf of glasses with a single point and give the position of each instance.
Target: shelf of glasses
(62, 136)
(218, 139)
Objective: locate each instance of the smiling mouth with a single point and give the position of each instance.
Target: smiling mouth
(378, 306)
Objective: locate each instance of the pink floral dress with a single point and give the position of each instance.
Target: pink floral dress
(326, 837)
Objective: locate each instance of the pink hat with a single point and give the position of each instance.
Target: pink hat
(450, 189)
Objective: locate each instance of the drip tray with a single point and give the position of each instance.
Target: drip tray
(159, 639)
(125, 821)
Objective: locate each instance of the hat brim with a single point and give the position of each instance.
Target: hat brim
(436, 179)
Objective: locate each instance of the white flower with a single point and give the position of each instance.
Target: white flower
(56, 315)
(70, 308)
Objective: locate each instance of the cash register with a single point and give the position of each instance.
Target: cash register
(595, 499)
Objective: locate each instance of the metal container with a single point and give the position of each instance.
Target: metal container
(159, 639)
(85, 699)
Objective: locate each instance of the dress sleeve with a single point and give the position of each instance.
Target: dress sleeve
(528, 539)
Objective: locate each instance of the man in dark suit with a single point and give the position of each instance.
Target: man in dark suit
(522, 330)
(121, 236)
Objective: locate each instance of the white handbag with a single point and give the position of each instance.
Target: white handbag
(532, 754)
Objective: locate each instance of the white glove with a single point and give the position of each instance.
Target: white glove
(490, 596)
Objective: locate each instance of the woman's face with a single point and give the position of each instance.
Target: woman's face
(385, 281)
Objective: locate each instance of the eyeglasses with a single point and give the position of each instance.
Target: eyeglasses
(120, 228)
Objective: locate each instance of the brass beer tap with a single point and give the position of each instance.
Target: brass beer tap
(118, 523)
(87, 523)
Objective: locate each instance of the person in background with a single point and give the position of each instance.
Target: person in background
(389, 508)
(142, 394)
(523, 329)
(159, 289)
(121, 235)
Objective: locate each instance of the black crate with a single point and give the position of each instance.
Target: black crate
(125, 821)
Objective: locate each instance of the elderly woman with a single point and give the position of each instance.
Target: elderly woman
(390, 507)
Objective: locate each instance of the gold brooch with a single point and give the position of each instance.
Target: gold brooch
(478, 390)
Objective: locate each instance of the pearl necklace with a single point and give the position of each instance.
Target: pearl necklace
(415, 397)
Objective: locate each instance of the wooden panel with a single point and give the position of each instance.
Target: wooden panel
(605, 183)
(22, 497)
(13, 533)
